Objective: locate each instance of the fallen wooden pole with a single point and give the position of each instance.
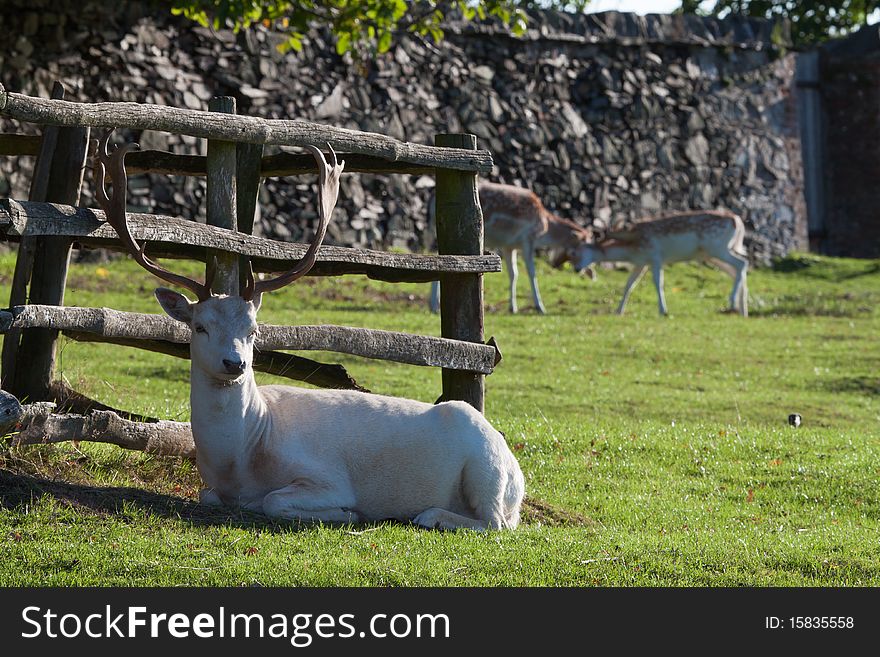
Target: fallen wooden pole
(290, 366)
(17, 145)
(176, 237)
(40, 426)
(368, 343)
(68, 400)
(236, 128)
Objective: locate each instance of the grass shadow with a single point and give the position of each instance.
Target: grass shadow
(865, 385)
(18, 490)
(829, 270)
(844, 304)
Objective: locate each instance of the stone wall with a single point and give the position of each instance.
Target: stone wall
(608, 117)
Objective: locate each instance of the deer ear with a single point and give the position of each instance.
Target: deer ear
(175, 304)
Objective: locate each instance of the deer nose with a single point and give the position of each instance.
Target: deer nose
(234, 366)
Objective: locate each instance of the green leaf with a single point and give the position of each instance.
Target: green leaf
(343, 43)
(384, 42)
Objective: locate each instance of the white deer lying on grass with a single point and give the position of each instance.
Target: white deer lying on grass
(515, 219)
(714, 236)
(324, 455)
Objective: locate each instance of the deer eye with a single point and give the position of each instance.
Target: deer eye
(200, 329)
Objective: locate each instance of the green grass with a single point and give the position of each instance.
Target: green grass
(656, 450)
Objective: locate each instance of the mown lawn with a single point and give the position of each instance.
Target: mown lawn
(656, 450)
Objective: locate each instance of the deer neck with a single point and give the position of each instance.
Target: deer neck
(617, 251)
(559, 233)
(227, 417)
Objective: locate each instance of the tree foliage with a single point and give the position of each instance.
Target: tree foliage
(812, 21)
(363, 26)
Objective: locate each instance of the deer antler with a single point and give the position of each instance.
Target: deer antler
(114, 209)
(328, 192)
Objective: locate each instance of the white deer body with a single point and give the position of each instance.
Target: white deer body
(714, 236)
(324, 455)
(514, 219)
(331, 455)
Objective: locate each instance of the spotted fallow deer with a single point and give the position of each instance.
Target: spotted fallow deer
(319, 455)
(713, 236)
(514, 219)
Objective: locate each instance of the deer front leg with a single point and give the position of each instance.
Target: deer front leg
(529, 257)
(509, 256)
(437, 518)
(209, 497)
(630, 284)
(434, 300)
(300, 501)
(657, 275)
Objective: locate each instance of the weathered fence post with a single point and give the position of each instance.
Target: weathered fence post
(460, 232)
(247, 188)
(221, 207)
(58, 176)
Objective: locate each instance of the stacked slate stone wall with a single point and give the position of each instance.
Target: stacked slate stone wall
(607, 117)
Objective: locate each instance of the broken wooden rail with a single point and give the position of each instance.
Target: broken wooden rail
(15, 144)
(277, 363)
(172, 237)
(367, 343)
(33, 424)
(237, 128)
(41, 426)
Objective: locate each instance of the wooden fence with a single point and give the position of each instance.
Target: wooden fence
(49, 222)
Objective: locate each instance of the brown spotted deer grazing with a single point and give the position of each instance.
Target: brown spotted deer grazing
(713, 236)
(515, 219)
(319, 455)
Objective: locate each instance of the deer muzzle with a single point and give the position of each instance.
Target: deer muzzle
(234, 366)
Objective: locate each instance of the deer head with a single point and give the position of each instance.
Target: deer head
(223, 327)
(585, 256)
(574, 252)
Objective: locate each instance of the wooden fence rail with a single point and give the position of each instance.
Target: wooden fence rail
(368, 343)
(171, 237)
(237, 128)
(176, 164)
